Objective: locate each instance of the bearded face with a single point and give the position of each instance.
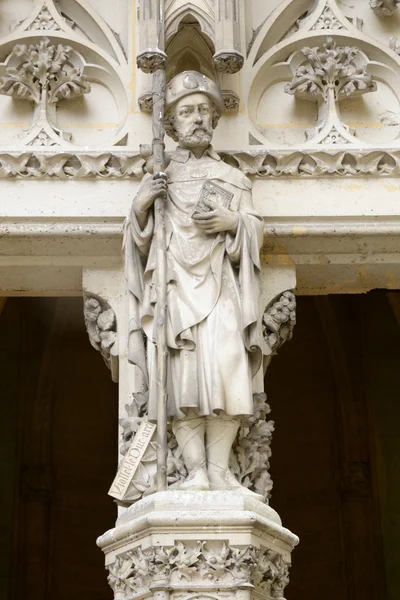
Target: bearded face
(193, 121)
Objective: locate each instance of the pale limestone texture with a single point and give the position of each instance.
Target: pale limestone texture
(329, 202)
(198, 544)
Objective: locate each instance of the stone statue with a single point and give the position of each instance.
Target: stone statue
(214, 331)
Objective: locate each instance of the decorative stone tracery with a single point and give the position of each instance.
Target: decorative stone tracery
(329, 74)
(44, 73)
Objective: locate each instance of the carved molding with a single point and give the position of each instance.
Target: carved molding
(350, 162)
(101, 326)
(317, 163)
(384, 8)
(136, 571)
(70, 165)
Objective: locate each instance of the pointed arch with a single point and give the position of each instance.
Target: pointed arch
(178, 12)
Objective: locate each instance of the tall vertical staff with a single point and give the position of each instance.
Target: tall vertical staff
(159, 84)
(161, 281)
(153, 59)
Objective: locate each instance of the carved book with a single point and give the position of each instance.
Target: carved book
(215, 194)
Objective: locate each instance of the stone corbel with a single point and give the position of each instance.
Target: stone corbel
(150, 57)
(101, 325)
(103, 304)
(228, 57)
(279, 308)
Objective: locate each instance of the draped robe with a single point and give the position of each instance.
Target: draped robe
(214, 332)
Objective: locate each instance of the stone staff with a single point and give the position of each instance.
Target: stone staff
(158, 146)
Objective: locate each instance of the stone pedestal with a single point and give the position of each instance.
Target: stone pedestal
(187, 545)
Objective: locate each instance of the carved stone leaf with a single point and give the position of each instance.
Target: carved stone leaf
(217, 562)
(263, 484)
(151, 453)
(141, 478)
(68, 85)
(19, 85)
(101, 327)
(108, 339)
(243, 562)
(289, 164)
(186, 560)
(106, 320)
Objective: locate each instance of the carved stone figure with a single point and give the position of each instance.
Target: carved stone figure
(214, 328)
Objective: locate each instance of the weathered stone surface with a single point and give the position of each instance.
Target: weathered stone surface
(203, 542)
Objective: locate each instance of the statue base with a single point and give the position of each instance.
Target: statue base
(181, 545)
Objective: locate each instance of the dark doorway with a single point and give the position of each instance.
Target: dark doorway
(58, 437)
(334, 391)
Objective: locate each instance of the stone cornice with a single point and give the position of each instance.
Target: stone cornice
(47, 255)
(116, 163)
(299, 232)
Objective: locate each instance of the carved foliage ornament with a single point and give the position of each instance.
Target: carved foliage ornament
(43, 68)
(101, 326)
(193, 563)
(279, 320)
(351, 162)
(331, 67)
(43, 73)
(330, 74)
(249, 461)
(384, 8)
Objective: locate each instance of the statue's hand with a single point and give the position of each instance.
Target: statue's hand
(217, 220)
(153, 188)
